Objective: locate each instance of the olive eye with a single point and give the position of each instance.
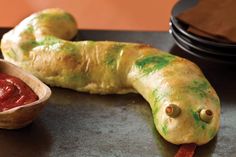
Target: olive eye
(206, 115)
(173, 110)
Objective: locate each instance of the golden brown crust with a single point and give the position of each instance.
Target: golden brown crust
(115, 67)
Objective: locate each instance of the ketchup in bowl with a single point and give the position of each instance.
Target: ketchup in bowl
(14, 92)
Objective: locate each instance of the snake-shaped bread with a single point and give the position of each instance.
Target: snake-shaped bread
(185, 107)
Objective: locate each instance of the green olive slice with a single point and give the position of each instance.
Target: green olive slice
(206, 115)
(173, 110)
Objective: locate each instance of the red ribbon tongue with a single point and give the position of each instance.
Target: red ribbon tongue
(186, 150)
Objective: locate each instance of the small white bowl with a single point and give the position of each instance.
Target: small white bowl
(21, 116)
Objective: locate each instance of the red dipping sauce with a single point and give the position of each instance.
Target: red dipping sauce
(14, 92)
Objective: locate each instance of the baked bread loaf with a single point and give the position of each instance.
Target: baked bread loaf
(185, 107)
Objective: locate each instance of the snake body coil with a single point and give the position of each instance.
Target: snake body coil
(185, 107)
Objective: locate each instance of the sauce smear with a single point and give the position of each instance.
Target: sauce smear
(14, 92)
(186, 150)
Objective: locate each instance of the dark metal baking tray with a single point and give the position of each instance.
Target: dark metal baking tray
(77, 124)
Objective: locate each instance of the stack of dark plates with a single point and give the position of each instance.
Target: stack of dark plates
(199, 46)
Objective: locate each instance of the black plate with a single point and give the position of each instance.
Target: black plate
(203, 47)
(182, 6)
(196, 52)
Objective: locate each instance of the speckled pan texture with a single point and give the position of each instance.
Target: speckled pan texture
(76, 124)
